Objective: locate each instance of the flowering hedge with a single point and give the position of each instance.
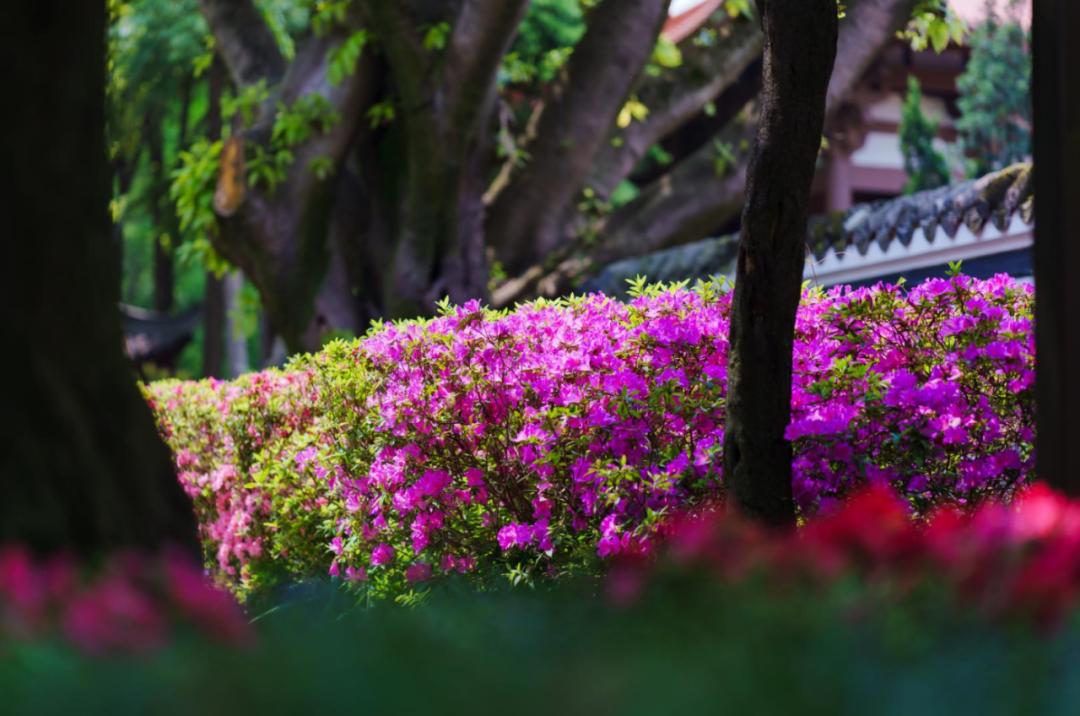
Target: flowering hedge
(539, 439)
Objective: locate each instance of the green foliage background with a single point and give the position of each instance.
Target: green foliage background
(925, 166)
(995, 96)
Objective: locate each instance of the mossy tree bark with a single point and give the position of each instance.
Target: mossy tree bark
(82, 467)
(800, 49)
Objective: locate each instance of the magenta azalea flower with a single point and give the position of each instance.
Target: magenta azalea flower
(382, 554)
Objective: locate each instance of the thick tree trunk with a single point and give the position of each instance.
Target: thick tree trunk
(437, 234)
(800, 48)
(83, 468)
(439, 246)
(1057, 238)
(280, 238)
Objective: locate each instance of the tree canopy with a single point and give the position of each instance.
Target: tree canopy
(361, 162)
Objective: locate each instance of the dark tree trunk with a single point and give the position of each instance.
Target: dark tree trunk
(82, 467)
(161, 256)
(800, 48)
(1057, 238)
(164, 268)
(164, 277)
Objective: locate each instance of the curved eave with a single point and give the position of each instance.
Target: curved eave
(851, 266)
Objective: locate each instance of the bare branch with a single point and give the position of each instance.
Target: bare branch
(526, 220)
(683, 206)
(869, 26)
(244, 41)
(868, 19)
(677, 97)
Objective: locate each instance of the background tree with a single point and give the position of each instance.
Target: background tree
(995, 100)
(165, 90)
(925, 166)
(399, 154)
(703, 188)
(83, 467)
(155, 106)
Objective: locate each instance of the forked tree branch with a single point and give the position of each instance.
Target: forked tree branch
(686, 203)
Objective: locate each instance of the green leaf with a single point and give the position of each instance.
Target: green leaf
(436, 37)
(667, 54)
(343, 58)
(938, 31)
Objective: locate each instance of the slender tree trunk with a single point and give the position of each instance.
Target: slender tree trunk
(236, 353)
(1057, 238)
(800, 48)
(83, 468)
(164, 276)
(166, 224)
(160, 211)
(214, 326)
(124, 172)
